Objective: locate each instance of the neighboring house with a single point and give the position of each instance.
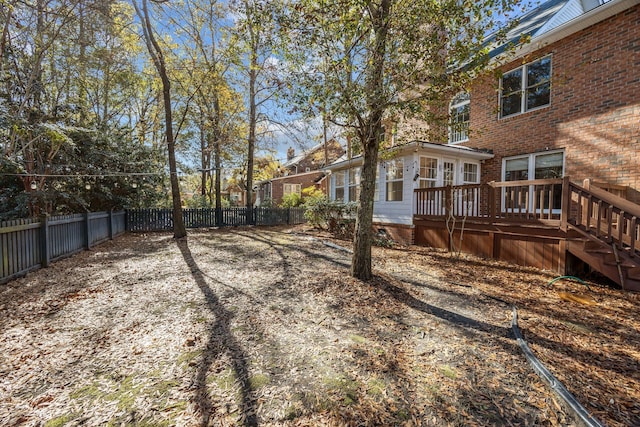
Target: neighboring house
(564, 110)
(235, 194)
(299, 172)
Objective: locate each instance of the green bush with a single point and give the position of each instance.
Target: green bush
(198, 201)
(291, 200)
(266, 203)
(335, 216)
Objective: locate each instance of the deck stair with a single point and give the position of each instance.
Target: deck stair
(622, 269)
(609, 231)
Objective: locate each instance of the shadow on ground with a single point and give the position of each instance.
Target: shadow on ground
(219, 342)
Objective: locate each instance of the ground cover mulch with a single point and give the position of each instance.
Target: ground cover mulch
(253, 326)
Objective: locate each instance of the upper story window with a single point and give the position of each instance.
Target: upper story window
(459, 115)
(526, 88)
(395, 178)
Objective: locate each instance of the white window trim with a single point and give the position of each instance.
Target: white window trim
(523, 87)
(462, 172)
(457, 105)
(343, 186)
(387, 180)
(376, 189)
(290, 188)
(425, 179)
(357, 178)
(531, 165)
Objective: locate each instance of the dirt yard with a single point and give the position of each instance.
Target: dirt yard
(253, 326)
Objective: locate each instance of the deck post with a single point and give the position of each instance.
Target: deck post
(565, 208)
(492, 202)
(562, 256)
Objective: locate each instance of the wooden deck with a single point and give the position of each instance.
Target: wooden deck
(538, 223)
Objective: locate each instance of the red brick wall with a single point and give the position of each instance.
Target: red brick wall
(306, 180)
(594, 113)
(400, 233)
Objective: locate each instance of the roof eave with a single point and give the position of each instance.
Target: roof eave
(420, 146)
(586, 20)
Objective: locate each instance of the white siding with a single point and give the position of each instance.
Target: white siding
(400, 212)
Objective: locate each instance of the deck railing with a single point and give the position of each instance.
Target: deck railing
(516, 201)
(602, 216)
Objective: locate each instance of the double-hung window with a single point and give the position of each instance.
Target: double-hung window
(526, 88)
(354, 184)
(339, 185)
(291, 188)
(470, 173)
(469, 196)
(459, 115)
(395, 177)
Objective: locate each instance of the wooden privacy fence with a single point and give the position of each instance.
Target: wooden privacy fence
(162, 219)
(28, 244)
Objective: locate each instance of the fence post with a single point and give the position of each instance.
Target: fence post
(87, 230)
(288, 216)
(44, 240)
(111, 224)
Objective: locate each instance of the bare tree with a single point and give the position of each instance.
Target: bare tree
(156, 53)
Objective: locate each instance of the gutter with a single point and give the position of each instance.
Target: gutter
(447, 149)
(592, 17)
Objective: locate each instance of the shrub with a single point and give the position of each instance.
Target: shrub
(335, 216)
(266, 203)
(291, 200)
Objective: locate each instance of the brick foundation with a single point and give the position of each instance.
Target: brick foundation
(400, 233)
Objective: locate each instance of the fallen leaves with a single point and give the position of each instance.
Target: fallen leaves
(259, 324)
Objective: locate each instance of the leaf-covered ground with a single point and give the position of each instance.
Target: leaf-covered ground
(264, 326)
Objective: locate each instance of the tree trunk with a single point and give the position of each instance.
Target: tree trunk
(203, 160)
(363, 235)
(178, 223)
(217, 148)
(369, 133)
(158, 60)
(253, 75)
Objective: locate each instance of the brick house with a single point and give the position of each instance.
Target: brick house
(543, 154)
(589, 113)
(299, 172)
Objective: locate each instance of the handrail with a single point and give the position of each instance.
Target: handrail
(547, 181)
(531, 201)
(611, 199)
(602, 216)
